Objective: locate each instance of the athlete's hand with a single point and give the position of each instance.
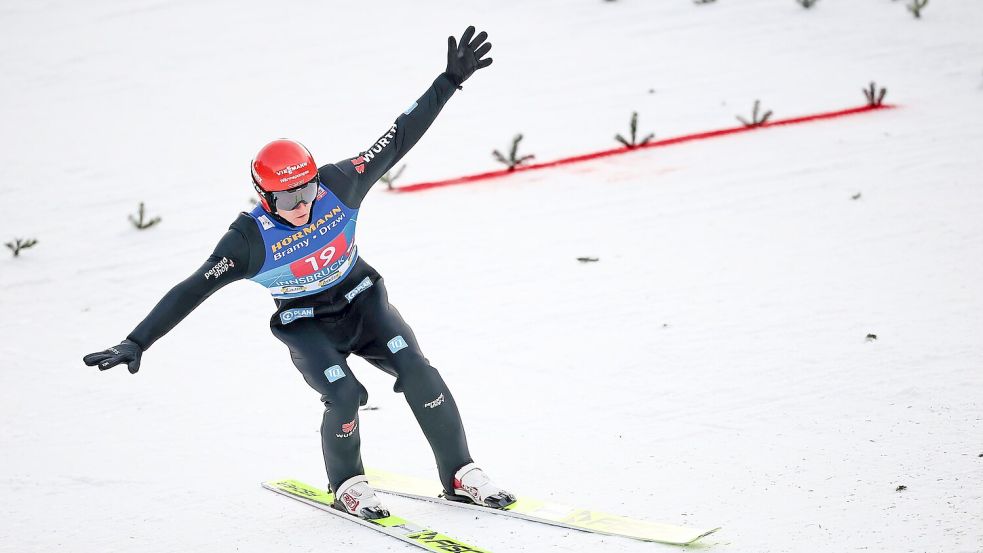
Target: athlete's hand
(465, 59)
(128, 352)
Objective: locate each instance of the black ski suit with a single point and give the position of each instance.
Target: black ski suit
(364, 323)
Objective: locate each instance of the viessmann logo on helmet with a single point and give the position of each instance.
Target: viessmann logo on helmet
(291, 169)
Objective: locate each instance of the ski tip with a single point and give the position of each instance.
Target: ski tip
(703, 535)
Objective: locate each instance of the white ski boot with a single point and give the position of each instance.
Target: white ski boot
(472, 485)
(356, 497)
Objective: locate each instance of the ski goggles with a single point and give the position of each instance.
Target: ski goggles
(288, 200)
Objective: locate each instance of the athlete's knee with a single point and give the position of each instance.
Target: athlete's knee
(344, 392)
(420, 375)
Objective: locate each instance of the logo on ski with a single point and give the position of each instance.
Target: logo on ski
(295, 489)
(598, 521)
(443, 543)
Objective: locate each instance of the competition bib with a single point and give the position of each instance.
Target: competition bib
(305, 260)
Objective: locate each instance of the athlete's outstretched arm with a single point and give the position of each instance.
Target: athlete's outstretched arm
(228, 263)
(352, 178)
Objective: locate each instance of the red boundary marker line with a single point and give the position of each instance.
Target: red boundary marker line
(623, 150)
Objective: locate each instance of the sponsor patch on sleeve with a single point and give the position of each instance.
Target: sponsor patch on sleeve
(220, 268)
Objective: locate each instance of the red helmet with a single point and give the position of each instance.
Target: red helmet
(281, 165)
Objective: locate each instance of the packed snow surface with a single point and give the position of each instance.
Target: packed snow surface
(712, 368)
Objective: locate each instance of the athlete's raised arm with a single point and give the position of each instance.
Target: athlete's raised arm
(228, 263)
(351, 179)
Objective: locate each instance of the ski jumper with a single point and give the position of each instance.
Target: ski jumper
(331, 303)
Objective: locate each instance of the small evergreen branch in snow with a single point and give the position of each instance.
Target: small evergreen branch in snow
(513, 160)
(18, 244)
(634, 130)
(704, 1)
(874, 97)
(755, 120)
(916, 7)
(807, 3)
(587, 259)
(871, 337)
(901, 488)
(389, 178)
(140, 222)
(855, 196)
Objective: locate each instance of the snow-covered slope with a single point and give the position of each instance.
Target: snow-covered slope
(711, 368)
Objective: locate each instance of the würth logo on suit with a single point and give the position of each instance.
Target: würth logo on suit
(347, 429)
(375, 150)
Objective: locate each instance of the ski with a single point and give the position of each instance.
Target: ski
(393, 526)
(545, 512)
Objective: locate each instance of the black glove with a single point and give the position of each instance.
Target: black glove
(128, 352)
(465, 59)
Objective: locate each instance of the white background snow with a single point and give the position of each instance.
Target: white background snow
(711, 368)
